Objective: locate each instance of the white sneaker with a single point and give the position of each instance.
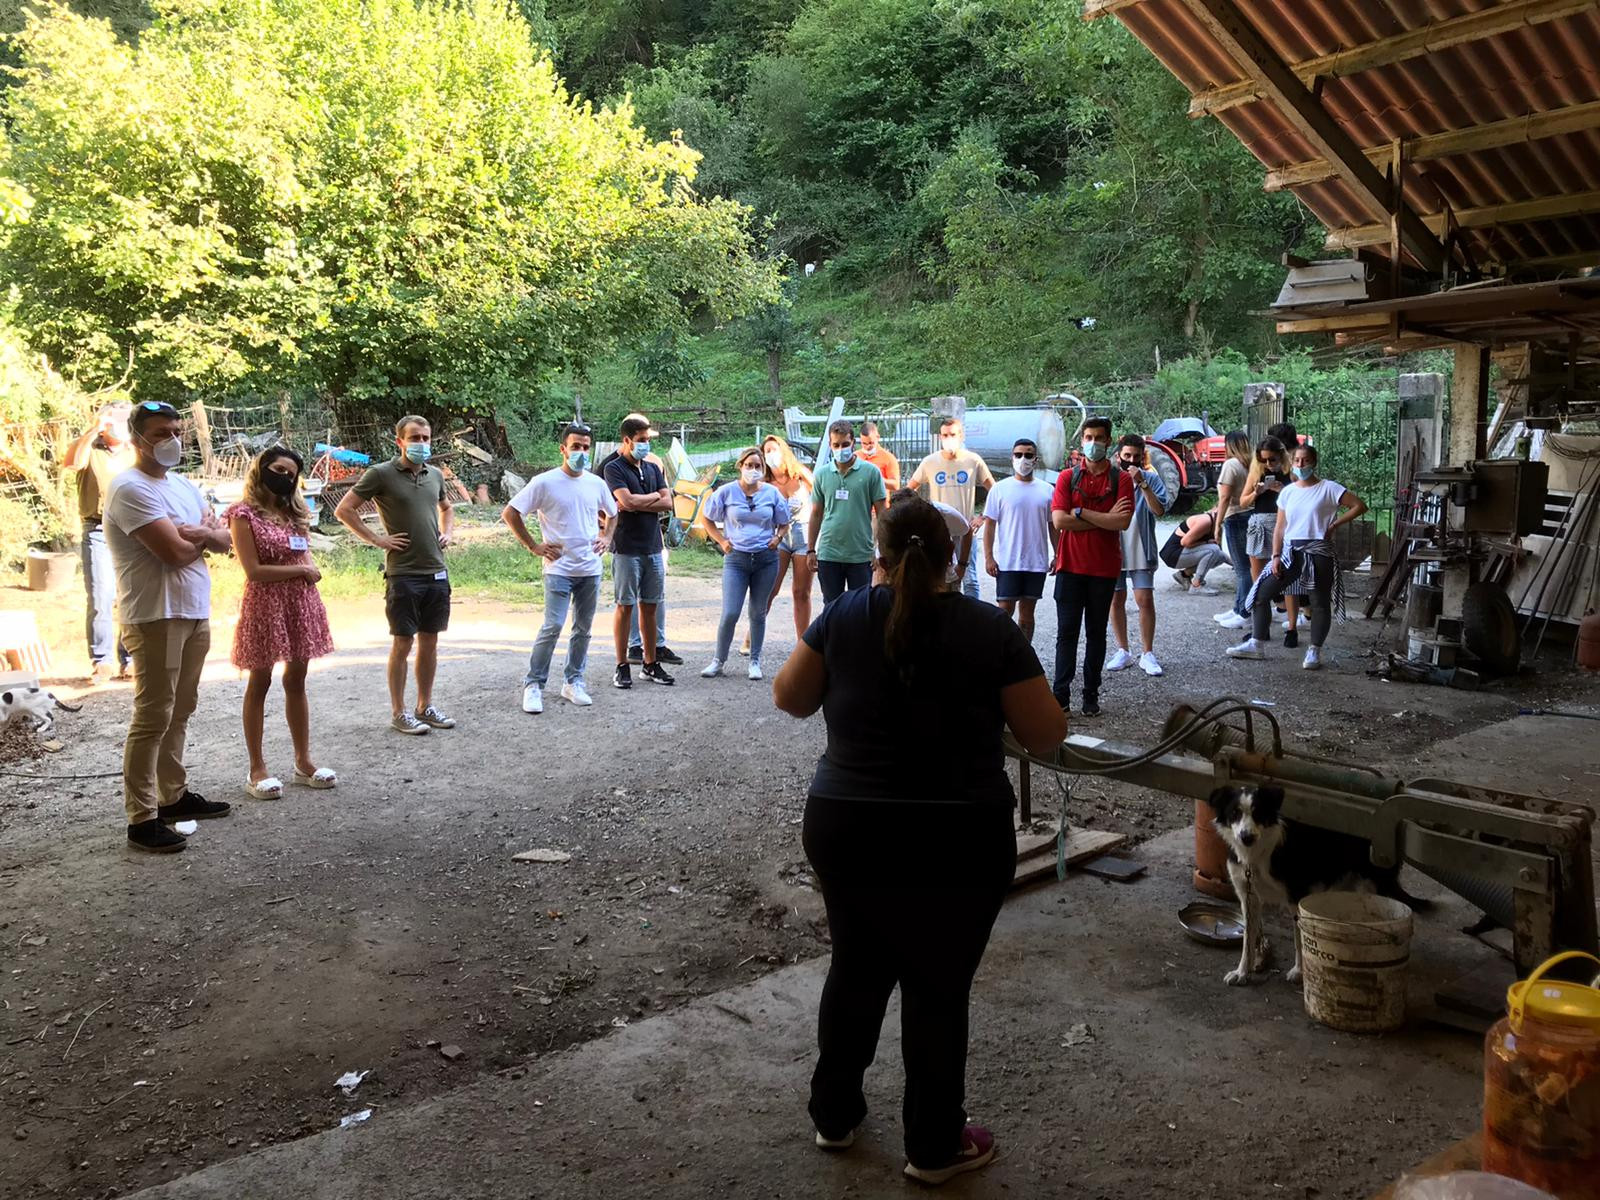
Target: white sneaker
(1234, 621)
(1182, 580)
(1149, 665)
(576, 693)
(1119, 661)
(713, 669)
(1203, 589)
(1249, 648)
(755, 668)
(1299, 623)
(533, 699)
(1313, 660)
(1222, 616)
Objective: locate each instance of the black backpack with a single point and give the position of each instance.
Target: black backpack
(1077, 477)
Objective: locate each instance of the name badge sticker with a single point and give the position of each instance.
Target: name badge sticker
(842, 494)
(442, 575)
(296, 542)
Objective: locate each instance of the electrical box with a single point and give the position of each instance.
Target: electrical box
(1507, 496)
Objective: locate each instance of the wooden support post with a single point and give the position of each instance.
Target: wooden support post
(1469, 404)
(202, 434)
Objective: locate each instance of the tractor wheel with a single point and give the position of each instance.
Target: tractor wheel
(1167, 465)
(1489, 628)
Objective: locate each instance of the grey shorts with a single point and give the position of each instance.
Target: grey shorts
(1137, 580)
(639, 578)
(1258, 535)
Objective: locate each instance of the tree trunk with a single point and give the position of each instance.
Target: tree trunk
(774, 380)
(1190, 313)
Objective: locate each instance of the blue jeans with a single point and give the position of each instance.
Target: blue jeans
(661, 626)
(560, 592)
(745, 574)
(837, 578)
(1235, 530)
(100, 589)
(969, 582)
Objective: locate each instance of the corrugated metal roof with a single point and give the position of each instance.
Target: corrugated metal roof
(1527, 70)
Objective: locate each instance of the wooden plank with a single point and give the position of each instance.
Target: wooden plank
(1414, 43)
(202, 434)
(1082, 844)
(1329, 324)
(1278, 83)
(1101, 8)
(1546, 208)
(1513, 131)
(1469, 404)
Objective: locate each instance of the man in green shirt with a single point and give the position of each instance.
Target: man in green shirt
(848, 495)
(417, 521)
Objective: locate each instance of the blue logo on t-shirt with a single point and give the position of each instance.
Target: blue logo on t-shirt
(962, 477)
(940, 478)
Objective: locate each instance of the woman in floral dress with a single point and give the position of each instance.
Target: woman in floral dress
(281, 618)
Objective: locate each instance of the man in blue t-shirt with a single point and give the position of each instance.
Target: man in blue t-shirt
(637, 564)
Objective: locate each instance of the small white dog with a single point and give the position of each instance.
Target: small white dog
(35, 705)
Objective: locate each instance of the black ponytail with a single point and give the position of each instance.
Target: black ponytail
(916, 549)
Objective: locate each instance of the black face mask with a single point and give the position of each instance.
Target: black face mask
(279, 484)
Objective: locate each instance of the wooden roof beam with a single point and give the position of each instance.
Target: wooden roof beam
(1548, 208)
(1511, 132)
(1426, 39)
(1244, 43)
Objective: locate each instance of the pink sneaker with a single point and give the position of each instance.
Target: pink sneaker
(977, 1152)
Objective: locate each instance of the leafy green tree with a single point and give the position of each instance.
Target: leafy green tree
(381, 204)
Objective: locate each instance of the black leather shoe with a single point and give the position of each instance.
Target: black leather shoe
(192, 806)
(153, 837)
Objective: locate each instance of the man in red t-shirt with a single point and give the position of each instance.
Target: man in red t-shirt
(1092, 505)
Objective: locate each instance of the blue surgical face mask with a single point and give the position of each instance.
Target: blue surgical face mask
(578, 460)
(1094, 451)
(641, 451)
(843, 454)
(1303, 472)
(418, 452)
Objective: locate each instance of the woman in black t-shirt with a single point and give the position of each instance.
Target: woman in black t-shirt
(909, 825)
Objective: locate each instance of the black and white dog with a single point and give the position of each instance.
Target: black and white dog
(1272, 860)
(32, 704)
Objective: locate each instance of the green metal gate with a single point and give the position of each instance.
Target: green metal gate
(1357, 439)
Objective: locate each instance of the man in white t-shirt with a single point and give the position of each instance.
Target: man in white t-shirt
(159, 531)
(1016, 536)
(575, 510)
(952, 474)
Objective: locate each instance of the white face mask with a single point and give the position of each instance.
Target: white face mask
(774, 458)
(951, 442)
(751, 475)
(1021, 466)
(169, 453)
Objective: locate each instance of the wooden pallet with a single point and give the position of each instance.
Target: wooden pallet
(1036, 852)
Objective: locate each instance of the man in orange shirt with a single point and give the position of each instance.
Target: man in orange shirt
(875, 454)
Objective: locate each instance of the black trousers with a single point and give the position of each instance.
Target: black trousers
(912, 891)
(1082, 602)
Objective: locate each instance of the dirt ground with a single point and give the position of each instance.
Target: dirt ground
(161, 1014)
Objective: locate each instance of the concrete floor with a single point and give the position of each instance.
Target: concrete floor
(1190, 1088)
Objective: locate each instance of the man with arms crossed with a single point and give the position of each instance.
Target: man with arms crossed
(952, 475)
(638, 566)
(1091, 506)
(417, 522)
(1016, 536)
(160, 530)
(568, 502)
(849, 496)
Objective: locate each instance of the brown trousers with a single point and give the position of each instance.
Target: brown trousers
(168, 657)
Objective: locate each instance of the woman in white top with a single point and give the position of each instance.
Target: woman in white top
(786, 473)
(1309, 510)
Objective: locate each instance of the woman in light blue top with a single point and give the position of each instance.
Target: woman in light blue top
(754, 519)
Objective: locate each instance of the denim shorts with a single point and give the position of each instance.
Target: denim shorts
(795, 543)
(1258, 535)
(639, 578)
(1144, 580)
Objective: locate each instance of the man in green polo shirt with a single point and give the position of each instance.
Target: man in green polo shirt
(417, 522)
(848, 495)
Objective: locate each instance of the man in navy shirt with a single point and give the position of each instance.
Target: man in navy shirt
(637, 565)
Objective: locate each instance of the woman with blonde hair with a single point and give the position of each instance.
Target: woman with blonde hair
(789, 475)
(749, 520)
(281, 617)
(1232, 526)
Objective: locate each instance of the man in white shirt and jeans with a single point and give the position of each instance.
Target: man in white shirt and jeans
(159, 531)
(1017, 537)
(575, 510)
